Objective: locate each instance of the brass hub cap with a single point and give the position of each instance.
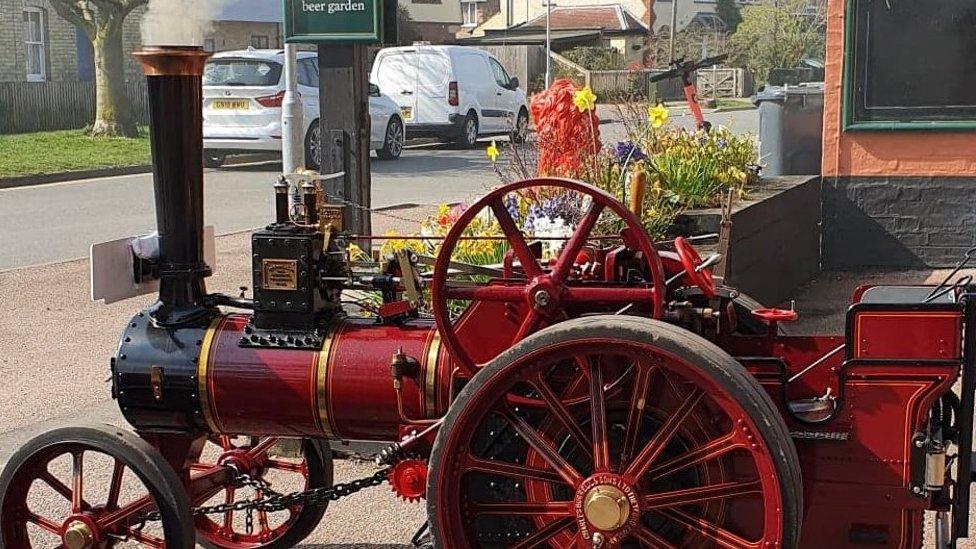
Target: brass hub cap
(606, 507)
(78, 536)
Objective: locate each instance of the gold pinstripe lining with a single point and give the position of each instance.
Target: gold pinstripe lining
(203, 362)
(322, 379)
(430, 395)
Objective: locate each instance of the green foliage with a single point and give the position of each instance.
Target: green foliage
(729, 12)
(69, 150)
(779, 35)
(596, 58)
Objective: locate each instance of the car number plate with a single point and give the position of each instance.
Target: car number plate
(231, 104)
(406, 112)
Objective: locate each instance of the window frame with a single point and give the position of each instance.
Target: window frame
(257, 38)
(492, 63)
(42, 43)
(473, 5)
(851, 79)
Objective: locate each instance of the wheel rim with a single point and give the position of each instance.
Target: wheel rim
(394, 138)
(80, 522)
(522, 127)
(471, 130)
(609, 438)
(251, 456)
(542, 295)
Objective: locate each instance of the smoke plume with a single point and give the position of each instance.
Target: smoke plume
(179, 22)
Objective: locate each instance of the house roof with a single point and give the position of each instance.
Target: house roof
(251, 11)
(609, 17)
(533, 37)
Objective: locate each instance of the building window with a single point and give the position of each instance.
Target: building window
(208, 44)
(469, 11)
(259, 41)
(34, 43)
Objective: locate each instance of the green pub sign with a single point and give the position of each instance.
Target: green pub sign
(333, 21)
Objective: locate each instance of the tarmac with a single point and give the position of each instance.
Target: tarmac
(55, 345)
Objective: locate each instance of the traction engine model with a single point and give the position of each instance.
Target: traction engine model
(587, 391)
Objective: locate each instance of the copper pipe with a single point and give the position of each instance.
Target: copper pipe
(172, 60)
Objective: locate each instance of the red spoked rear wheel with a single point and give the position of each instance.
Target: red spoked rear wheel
(92, 487)
(310, 467)
(614, 432)
(542, 294)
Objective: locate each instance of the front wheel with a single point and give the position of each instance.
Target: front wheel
(521, 130)
(392, 140)
(92, 487)
(618, 432)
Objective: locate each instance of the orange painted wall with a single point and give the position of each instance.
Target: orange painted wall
(906, 153)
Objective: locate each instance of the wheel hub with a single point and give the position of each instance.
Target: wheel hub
(78, 535)
(606, 507)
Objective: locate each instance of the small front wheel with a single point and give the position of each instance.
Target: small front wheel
(50, 494)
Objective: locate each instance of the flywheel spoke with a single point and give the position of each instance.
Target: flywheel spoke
(130, 510)
(146, 539)
(286, 466)
(543, 534)
(567, 257)
(718, 536)
(229, 514)
(55, 484)
(483, 292)
(548, 453)
(700, 494)
(530, 265)
(663, 436)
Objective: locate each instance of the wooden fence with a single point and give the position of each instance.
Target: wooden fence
(631, 84)
(41, 106)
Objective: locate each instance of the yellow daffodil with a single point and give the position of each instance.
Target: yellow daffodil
(492, 151)
(658, 115)
(584, 99)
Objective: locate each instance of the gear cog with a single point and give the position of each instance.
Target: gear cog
(409, 479)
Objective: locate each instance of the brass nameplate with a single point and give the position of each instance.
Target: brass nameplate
(279, 274)
(330, 214)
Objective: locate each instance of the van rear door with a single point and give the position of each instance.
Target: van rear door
(396, 75)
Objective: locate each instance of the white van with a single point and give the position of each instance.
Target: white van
(454, 93)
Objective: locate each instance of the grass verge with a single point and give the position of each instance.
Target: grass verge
(69, 150)
(734, 104)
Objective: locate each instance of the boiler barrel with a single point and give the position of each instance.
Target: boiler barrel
(343, 391)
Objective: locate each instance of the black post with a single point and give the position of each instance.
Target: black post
(967, 403)
(176, 138)
(345, 128)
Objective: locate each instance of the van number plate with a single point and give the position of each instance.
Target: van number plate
(406, 113)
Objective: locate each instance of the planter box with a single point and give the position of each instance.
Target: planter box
(775, 241)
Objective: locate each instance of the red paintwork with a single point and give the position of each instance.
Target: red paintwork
(690, 260)
(775, 315)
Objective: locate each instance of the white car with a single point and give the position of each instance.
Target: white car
(242, 95)
(454, 93)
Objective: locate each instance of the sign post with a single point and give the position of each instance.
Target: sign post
(342, 29)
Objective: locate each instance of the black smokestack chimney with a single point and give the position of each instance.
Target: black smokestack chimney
(174, 75)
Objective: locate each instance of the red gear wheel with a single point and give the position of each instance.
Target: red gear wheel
(409, 479)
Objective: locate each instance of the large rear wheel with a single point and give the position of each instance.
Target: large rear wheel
(614, 431)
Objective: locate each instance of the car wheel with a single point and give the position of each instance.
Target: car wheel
(393, 140)
(468, 136)
(521, 130)
(313, 146)
(212, 160)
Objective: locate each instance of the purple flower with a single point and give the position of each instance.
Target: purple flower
(722, 143)
(627, 151)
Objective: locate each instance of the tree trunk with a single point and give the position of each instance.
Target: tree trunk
(113, 114)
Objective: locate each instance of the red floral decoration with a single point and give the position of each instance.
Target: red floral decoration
(567, 137)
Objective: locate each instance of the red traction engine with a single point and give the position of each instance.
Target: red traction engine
(587, 391)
